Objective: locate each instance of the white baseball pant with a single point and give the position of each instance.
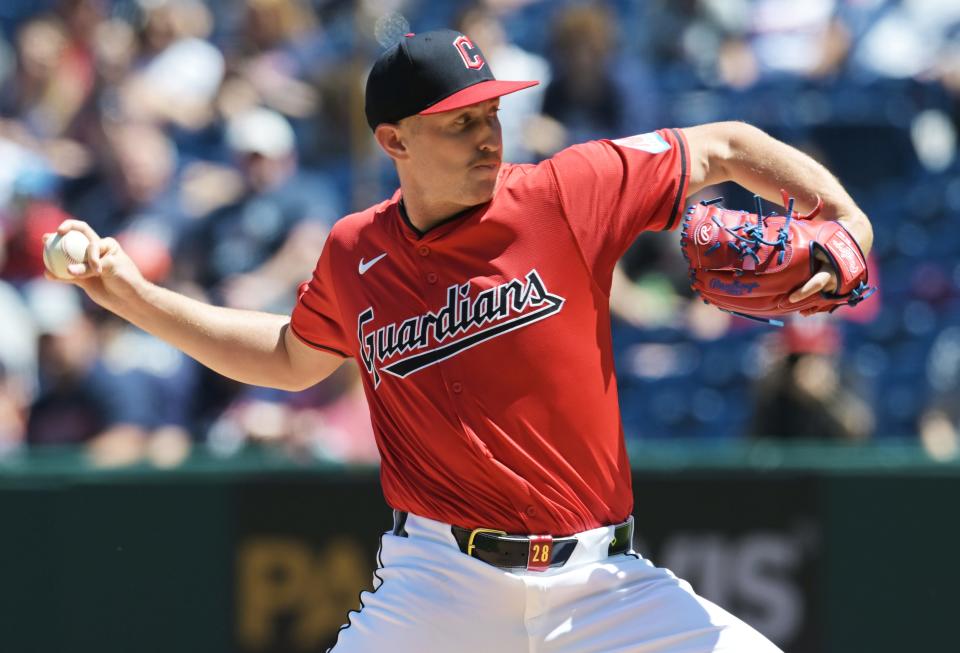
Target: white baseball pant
(429, 597)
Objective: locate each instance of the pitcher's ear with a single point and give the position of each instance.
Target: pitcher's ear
(391, 140)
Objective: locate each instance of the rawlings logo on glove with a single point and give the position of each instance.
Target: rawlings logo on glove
(748, 264)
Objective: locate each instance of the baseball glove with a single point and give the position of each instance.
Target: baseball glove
(748, 264)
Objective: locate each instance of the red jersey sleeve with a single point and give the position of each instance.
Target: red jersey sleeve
(610, 191)
(316, 316)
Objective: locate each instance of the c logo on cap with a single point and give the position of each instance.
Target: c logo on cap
(464, 45)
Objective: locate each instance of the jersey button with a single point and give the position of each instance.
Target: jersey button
(457, 387)
(431, 277)
(424, 250)
(531, 511)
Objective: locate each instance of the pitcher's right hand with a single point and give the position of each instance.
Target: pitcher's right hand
(108, 275)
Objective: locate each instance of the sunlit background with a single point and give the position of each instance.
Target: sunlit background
(800, 476)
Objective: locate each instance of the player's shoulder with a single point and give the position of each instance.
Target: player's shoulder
(514, 173)
(612, 156)
(544, 172)
(522, 182)
(348, 230)
(526, 178)
(525, 175)
(648, 143)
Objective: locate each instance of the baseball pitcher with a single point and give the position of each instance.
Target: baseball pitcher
(475, 301)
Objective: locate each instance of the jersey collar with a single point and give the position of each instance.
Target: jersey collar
(436, 229)
(446, 225)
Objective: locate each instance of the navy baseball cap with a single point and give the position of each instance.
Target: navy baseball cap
(429, 73)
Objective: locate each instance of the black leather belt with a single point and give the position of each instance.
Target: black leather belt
(533, 552)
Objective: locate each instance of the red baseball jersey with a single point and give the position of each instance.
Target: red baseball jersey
(484, 343)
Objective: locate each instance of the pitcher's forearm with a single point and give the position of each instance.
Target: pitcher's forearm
(760, 163)
(764, 165)
(247, 346)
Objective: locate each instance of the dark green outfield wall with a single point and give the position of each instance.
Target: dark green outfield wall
(824, 549)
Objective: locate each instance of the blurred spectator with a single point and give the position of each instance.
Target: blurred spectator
(335, 425)
(160, 386)
(737, 43)
(519, 111)
(41, 102)
(651, 285)
(73, 405)
(115, 49)
(18, 368)
(906, 39)
(646, 304)
(53, 80)
(583, 95)
(133, 186)
(18, 346)
(939, 423)
(271, 24)
(805, 390)
(13, 413)
(264, 62)
(254, 252)
(179, 72)
(779, 38)
(329, 421)
(120, 393)
(23, 224)
(117, 112)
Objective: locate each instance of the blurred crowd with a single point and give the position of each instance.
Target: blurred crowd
(220, 140)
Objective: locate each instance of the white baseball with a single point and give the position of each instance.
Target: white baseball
(63, 250)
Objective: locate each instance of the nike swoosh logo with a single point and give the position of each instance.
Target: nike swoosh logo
(364, 266)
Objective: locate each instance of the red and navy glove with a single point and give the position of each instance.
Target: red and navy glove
(749, 264)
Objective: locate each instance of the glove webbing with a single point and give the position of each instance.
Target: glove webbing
(750, 246)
